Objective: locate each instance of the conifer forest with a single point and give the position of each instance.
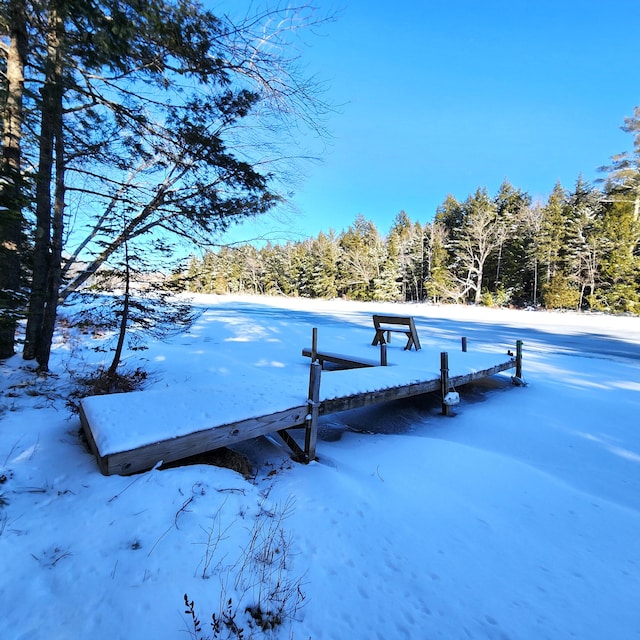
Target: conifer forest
(580, 249)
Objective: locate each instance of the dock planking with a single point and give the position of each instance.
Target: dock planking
(336, 393)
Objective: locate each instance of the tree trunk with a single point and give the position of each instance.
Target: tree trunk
(54, 279)
(11, 221)
(39, 330)
(478, 291)
(124, 319)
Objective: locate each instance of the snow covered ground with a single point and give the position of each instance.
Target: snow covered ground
(518, 518)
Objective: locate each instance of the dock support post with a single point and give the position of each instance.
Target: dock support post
(519, 359)
(464, 345)
(314, 344)
(444, 382)
(383, 354)
(311, 429)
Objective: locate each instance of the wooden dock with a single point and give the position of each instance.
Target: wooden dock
(192, 432)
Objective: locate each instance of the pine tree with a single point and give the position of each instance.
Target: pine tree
(326, 255)
(624, 170)
(276, 272)
(508, 262)
(416, 263)
(618, 260)
(398, 265)
(361, 250)
(620, 228)
(439, 280)
(387, 285)
(450, 214)
(552, 232)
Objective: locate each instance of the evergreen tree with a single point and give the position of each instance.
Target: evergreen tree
(304, 266)
(508, 262)
(552, 232)
(439, 281)
(278, 277)
(326, 256)
(451, 215)
(568, 245)
(388, 284)
(620, 228)
(624, 170)
(559, 288)
(361, 249)
(398, 263)
(416, 266)
(618, 259)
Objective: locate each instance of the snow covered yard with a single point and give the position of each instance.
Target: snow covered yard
(517, 518)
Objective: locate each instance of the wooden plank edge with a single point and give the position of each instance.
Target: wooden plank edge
(86, 428)
(478, 375)
(338, 358)
(368, 398)
(147, 456)
(391, 319)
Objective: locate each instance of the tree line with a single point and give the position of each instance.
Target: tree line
(579, 249)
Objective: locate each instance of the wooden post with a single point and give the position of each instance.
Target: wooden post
(311, 429)
(464, 345)
(314, 344)
(519, 359)
(444, 381)
(383, 354)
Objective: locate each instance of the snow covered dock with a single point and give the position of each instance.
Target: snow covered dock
(186, 421)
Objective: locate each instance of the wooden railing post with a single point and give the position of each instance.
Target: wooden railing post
(314, 344)
(383, 354)
(519, 359)
(444, 381)
(311, 429)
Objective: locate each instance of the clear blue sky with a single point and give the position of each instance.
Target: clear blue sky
(444, 97)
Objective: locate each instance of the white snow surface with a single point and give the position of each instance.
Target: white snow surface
(518, 517)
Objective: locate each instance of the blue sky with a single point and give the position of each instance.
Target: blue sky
(444, 97)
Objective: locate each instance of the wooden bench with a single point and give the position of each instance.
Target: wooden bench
(399, 324)
(348, 362)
